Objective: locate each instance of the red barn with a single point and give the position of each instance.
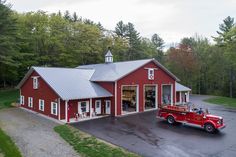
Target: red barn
(91, 91)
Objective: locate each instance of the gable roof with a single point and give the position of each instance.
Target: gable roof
(115, 71)
(179, 87)
(69, 83)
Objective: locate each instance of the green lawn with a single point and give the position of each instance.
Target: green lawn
(230, 102)
(89, 146)
(7, 97)
(7, 147)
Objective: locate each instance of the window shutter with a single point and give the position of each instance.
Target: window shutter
(87, 106)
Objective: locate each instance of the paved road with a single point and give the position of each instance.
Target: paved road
(143, 134)
(34, 134)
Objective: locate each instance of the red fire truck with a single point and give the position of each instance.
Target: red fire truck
(189, 115)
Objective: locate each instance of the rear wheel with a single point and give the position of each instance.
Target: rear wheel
(209, 128)
(170, 119)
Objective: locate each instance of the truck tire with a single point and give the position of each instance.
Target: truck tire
(209, 128)
(170, 119)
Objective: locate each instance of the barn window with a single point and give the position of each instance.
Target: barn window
(83, 107)
(22, 100)
(151, 74)
(41, 105)
(35, 83)
(54, 108)
(30, 102)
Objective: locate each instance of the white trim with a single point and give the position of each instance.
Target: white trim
(41, 100)
(22, 99)
(172, 97)
(90, 109)
(151, 74)
(116, 98)
(171, 93)
(86, 107)
(35, 82)
(151, 68)
(137, 97)
(52, 107)
(180, 97)
(66, 110)
(106, 106)
(30, 102)
(100, 108)
(59, 108)
(156, 97)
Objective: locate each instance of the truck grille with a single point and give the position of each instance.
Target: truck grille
(221, 121)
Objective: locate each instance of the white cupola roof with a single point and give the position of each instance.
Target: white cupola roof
(108, 57)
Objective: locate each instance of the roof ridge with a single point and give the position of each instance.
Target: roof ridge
(116, 62)
(61, 68)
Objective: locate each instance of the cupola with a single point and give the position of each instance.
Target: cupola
(108, 57)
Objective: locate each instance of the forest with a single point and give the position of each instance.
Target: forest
(68, 40)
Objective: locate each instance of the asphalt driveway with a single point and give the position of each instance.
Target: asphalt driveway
(147, 136)
(33, 134)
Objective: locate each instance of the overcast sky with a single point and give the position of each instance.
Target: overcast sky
(171, 19)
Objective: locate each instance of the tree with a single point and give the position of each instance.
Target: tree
(67, 15)
(157, 41)
(224, 40)
(129, 33)
(8, 44)
(75, 17)
(225, 27)
(121, 29)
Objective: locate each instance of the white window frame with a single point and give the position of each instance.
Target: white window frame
(79, 107)
(156, 97)
(22, 100)
(52, 107)
(35, 83)
(30, 102)
(41, 102)
(151, 74)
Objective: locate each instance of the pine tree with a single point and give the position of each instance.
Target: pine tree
(8, 45)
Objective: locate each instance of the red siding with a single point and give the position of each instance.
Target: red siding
(110, 86)
(73, 105)
(43, 92)
(177, 96)
(140, 77)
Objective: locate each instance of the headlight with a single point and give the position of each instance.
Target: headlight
(219, 121)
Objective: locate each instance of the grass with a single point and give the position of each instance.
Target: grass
(226, 101)
(7, 97)
(7, 147)
(88, 146)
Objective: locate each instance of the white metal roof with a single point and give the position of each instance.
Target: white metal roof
(69, 83)
(117, 70)
(180, 87)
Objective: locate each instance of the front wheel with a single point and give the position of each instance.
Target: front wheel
(209, 128)
(170, 119)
